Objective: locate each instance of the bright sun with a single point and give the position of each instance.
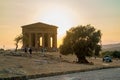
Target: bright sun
(58, 16)
(60, 19)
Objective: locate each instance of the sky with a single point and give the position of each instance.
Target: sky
(102, 14)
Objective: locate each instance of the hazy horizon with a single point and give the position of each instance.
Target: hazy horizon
(102, 14)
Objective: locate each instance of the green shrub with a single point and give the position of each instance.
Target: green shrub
(106, 53)
(114, 54)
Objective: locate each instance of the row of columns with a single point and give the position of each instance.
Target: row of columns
(37, 40)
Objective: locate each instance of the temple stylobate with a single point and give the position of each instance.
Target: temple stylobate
(39, 35)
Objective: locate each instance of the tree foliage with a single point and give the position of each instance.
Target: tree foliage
(82, 41)
(98, 48)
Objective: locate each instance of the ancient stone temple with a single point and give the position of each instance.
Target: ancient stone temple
(39, 35)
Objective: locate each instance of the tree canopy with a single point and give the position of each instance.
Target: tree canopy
(82, 41)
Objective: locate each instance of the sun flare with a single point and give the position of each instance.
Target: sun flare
(58, 16)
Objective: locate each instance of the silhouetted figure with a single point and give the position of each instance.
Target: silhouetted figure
(60, 56)
(30, 51)
(25, 49)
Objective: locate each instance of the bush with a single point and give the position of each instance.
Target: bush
(114, 54)
(107, 53)
(1, 49)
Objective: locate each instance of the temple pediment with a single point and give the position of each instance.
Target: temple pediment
(39, 25)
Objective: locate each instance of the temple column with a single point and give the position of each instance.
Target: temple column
(55, 40)
(49, 41)
(36, 40)
(43, 38)
(30, 45)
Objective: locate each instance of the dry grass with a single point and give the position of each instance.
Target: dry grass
(48, 63)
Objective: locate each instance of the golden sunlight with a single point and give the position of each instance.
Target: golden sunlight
(62, 17)
(59, 16)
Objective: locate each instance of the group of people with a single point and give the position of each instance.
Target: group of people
(26, 50)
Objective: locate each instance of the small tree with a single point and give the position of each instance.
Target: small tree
(81, 41)
(18, 39)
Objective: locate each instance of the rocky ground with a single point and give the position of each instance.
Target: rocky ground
(20, 63)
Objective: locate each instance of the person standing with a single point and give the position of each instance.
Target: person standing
(25, 50)
(30, 51)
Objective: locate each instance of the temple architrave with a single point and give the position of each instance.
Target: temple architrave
(39, 35)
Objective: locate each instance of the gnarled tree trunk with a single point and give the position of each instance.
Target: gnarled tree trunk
(16, 47)
(81, 59)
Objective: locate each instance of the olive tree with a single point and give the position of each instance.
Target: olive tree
(18, 39)
(82, 41)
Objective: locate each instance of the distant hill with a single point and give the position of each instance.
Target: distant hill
(111, 47)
